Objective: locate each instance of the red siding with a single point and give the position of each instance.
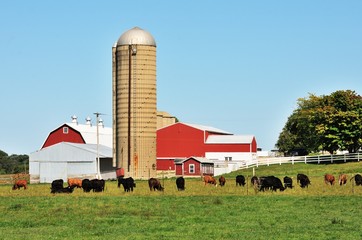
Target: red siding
(58, 136)
(180, 141)
(179, 170)
(187, 164)
(165, 164)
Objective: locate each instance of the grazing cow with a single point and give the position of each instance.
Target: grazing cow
(155, 184)
(342, 179)
(255, 182)
(180, 183)
(222, 181)
(288, 182)
(127, 183)
(57, 184)
(86, 185)
(271, 182)
(75, 182)
(63, 190)
(98, 185)
(210, 180)
(20, 184)
(303, 180)
(240, 180)
(357, 179)
(329, 179)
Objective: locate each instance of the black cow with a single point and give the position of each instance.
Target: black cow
(270, 182)
(240, 180)
(68, 189)
(98, 185)
(86, 185)
(288, 182)
(180, 183)
(357, 179)
(127, 183)
(303, 180)
(155, 184)
(57, 184)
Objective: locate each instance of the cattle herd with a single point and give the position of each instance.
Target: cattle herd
(263, 183)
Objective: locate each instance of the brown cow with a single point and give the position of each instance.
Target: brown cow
(329, 178)
(155, 184)
(342, 179)
(210, 180)
(222, 181)
(19, 184)
(75, 182)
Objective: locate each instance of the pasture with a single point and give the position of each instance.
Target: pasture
(203, 212)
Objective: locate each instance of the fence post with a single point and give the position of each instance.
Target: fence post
(358, 156)
(344, 156)
(331, 158)
(318, 159)
(292, 160)
(305, 159)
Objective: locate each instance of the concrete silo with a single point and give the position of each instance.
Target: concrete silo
(134, 103)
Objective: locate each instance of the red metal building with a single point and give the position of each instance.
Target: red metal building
(181, 141)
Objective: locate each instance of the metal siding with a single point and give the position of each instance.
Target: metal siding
(50, 171)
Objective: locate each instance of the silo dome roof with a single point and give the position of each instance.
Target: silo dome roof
(138, 36)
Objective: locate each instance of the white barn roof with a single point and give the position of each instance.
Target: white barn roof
(89, 133)
(66, 151)
(229, 139)
(207, 128)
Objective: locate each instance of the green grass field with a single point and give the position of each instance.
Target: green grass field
(199, 212)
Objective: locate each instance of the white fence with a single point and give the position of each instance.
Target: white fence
(337, 158)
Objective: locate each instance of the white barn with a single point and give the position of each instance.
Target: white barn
(65, 160)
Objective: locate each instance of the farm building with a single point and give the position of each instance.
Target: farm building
(228, 152)
(80, 133)
(71, 150)
(66, 160)
(194, 167)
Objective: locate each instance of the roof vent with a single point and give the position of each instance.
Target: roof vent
(88, 121)
(74, 119)
(100, 122)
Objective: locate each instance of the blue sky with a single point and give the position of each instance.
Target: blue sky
(239, 66)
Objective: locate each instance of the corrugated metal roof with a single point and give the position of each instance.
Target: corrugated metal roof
(89, 133)
(199, 159)
(207, 128)
(66, 151)
(229, 139)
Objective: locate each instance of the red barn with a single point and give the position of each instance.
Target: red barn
(180, 141)
(80, 133)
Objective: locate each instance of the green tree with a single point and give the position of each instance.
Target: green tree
(13, 163)
(330, 123)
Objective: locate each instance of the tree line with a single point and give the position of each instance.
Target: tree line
(323, 123)
(13, 163)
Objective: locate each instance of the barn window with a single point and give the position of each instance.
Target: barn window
(228, 158)
(192, 168)
(65, 130)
